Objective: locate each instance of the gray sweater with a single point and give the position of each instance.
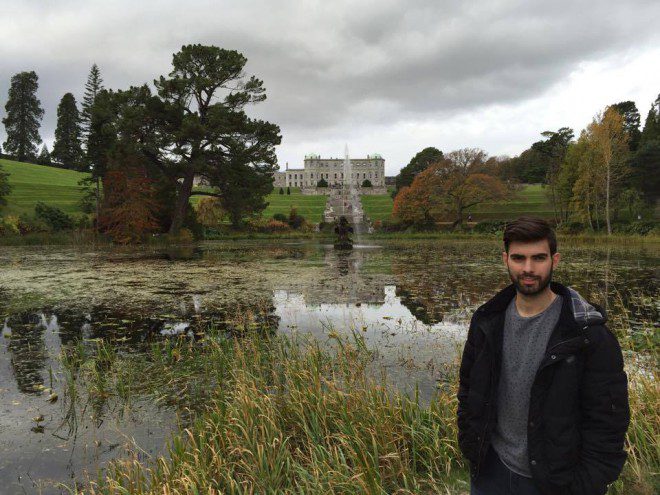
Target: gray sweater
(525, 341)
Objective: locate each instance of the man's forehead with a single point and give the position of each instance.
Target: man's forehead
(530, 248)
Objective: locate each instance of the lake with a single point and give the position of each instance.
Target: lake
(411, 301)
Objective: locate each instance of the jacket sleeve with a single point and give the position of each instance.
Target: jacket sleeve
(469, 355)
(605, 415)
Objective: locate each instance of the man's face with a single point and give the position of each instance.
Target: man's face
(530, 265)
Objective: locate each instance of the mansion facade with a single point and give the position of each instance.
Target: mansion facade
(315, 168)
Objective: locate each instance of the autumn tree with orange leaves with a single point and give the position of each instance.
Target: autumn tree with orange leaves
(447, 189)
(130, 208)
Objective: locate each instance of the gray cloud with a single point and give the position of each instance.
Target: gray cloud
(330, 67)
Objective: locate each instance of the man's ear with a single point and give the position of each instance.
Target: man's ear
(505, 257)
(555, 260)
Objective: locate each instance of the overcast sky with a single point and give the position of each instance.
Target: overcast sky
(388, 77)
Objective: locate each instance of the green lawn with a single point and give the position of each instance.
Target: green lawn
(310, 207)
(58, 187)
(377, 207)
(531, 199)
(32, 183)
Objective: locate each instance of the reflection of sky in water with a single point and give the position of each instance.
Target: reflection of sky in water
(409, 350)
(35, 460)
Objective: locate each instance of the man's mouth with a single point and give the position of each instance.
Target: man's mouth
(529, 280)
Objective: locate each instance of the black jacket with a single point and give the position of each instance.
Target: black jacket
(578, 412)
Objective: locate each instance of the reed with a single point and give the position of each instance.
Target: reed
(269, 414)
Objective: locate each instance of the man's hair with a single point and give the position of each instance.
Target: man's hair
(529, 229)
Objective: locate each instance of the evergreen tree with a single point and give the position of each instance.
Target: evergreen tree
(645, 170)
(421, 161)
(23, 118)
(631, 121)
(68, 149)
(93, 87)
(44, 156)
(651, 130)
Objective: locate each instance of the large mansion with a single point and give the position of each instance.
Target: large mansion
(315, 168)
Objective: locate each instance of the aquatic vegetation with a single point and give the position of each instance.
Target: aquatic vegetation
(288, 415)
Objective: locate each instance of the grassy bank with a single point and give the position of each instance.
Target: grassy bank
(87, 237)
(530, 200)
(33, 183)
(276, 416)
(310, 207)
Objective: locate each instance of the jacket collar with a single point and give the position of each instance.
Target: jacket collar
(576, 312)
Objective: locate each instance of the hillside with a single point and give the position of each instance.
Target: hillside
(310, 207)
(59, 187)
(33, 183)
(531, 199)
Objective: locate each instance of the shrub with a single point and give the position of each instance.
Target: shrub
(638, 227)
(274, 226)
(9, 225)
(366, 183)
(288, 190)
(55, 218)
(28, 224)
(281, 190)
(570, 228)
(281, 217)
(322, 183)
(492, 227)
(326, 227)
(392, 224)
(296, 221)
(184, 236)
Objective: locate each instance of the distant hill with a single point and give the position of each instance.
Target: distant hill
(33, 183)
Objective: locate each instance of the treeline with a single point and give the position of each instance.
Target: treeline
(144, 149)
(607, 175)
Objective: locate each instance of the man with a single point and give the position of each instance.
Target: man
(543, 398)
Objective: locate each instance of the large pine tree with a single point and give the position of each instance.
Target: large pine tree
(24, 114)
(92, 88)
(67, 149)
(631, 121)
(651, 130)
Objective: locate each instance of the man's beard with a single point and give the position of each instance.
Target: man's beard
(533, 290)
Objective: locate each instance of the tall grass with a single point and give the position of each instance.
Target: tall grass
(272, 415)
(288, 417)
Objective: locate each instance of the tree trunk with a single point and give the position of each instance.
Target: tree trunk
(607, 200)
(182, 202)
(459, 218)
(98, 203)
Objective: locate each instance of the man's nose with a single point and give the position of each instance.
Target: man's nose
(528, 267)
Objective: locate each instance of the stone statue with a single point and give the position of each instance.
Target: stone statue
(343, 229)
